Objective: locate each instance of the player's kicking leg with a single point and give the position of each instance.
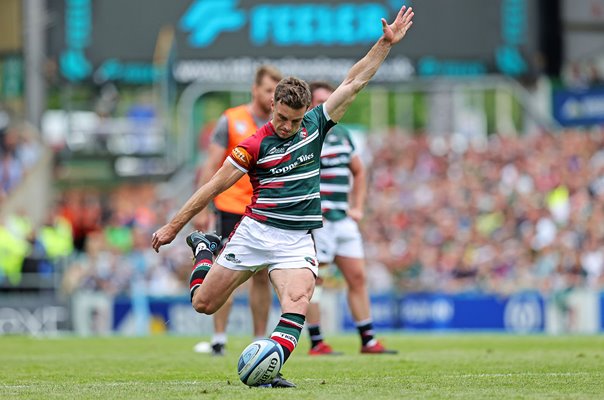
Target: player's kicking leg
(210, 284)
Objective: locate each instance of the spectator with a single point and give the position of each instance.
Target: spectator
(11, 167)
(512, 215)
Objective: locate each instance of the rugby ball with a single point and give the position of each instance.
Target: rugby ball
(260, 362)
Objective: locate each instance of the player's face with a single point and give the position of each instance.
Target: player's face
(319, 96)
(263, 93)
(287, 120)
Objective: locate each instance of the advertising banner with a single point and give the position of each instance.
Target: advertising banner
(141, 316)
(579, 107)
(524, 312)
(33, 315)
(602, 312)
(521, 313)
(224, 40)
(384, 312)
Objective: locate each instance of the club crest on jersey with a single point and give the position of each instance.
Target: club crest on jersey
(303, 133)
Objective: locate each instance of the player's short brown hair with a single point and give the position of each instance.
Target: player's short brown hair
(267, 70)
(293, 92)
(316, 85)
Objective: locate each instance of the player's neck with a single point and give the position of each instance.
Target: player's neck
(257, 111)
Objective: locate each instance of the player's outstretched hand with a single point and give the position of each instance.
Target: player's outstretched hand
(163, 235)
(394, 32)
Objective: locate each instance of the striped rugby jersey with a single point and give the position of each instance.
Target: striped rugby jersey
(336, 155)
(285, 173)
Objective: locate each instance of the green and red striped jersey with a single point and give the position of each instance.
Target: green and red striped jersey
(285, 173)
(337, 152)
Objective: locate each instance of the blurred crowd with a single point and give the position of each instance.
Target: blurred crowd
(94, 240)
(111, 235)
(20, 149)
(498, 215)
(584, 74)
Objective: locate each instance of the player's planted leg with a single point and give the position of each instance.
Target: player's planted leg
(286, 333)
(294, 288)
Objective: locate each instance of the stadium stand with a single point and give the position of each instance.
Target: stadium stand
(524, 212)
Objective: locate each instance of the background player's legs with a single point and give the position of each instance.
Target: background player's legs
(313, 322)
(353, 270)
(225, 224)
(260, 301)
(221, 319)
(313, 315)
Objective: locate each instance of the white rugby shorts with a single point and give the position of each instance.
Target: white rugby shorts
(338, 238)
(254, 246)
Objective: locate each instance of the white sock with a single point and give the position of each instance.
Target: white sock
(219, 338)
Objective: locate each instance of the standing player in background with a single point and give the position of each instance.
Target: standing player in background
(235, 125)
(283, 161)
(339, 240)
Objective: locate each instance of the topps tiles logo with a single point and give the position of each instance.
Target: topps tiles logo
(298, 163)
(288, 24)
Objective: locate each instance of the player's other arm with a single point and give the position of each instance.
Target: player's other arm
(224, 178)
(361, 73)
(204, 220)
(359, 188)
(216, 156)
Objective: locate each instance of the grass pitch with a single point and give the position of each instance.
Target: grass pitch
(428, 366)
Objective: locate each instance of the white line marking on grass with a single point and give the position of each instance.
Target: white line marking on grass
(101, 384)
(512, 374)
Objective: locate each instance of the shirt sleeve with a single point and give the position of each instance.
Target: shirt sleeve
(318, 118)
(245, 154)
(220, 134)
(241, 159)
(348, 136)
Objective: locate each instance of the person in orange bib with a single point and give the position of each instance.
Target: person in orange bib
(234, 125)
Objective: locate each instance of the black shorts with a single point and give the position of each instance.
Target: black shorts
(226, 223)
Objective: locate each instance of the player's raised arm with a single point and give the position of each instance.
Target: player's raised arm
(362, 72)
(223, 179)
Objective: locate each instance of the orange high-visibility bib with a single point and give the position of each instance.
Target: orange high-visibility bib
(241, 125)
